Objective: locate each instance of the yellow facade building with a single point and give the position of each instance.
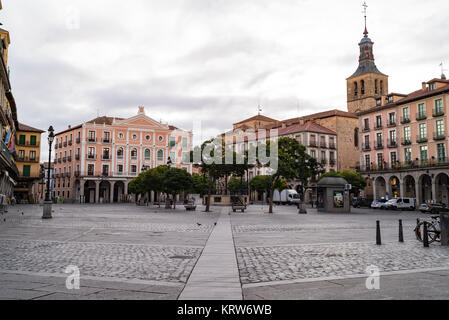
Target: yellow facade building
(28, 162)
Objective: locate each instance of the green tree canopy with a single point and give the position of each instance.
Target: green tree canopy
(237, 184)
(357, 181)
(177, 181)
(260, 184)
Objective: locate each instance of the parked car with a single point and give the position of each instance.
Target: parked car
(399, 204)
(361, 202)
(378, 203)
(432, 208)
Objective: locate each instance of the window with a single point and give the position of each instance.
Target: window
(26, 170)
(120, 168)
(393, 157)
(380, 159)
(379, 140)
(423, 131)
(106, 137)
(366, 124)
(356, 89)
(407, 134)
(381, 87)
(366, 141)
(133, 169)
(106, 153)
(406, 113)
(22, 154)
(438, 107)
(392, 137)
(392, 118)
(134, 136)
(32, 155)
(423, 153)
(147, 154)
(432, 86)
(379, 122)
(323, 155)
(184, 142)
(362, 89)
(91, 136)
(440, 128)
(441, 151)
(33, 141)
(90, 169)
(105, 171)
(161, 138)
(22, 140)
(313, 154)
(134, 154)
(120, 153)
(121, 135)
(173, 156)
(332, 156)
(185, 157)
(160, 155)
(421, 111)
(148, 137)
(368, 161)
(375, 87)
(172, 142)
(91, 153)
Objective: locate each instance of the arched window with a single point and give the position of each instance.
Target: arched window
(147, 154)
(362, 87)
(356, 137)
(376, 90)
(160, 155)
(134, 154)
(120, 153)
(381, 87)
(356, 89)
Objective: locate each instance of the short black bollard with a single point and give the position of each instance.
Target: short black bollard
(378, 237)
(401, 232)
(425, 236)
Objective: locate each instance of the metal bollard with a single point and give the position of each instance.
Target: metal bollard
(378, 237)
(425, 236)
(401, 232)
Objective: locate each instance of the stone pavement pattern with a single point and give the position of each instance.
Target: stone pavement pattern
(130, 252)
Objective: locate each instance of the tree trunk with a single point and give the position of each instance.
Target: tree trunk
(271, 199)
(174, 201)
(159, 199)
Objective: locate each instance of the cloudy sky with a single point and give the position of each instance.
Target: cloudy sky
(209, 60)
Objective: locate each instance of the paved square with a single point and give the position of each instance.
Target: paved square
(132, 252)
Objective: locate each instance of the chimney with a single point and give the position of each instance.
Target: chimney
(70, 127)
(424, 85)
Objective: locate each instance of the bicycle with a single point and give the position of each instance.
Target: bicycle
(433, 230)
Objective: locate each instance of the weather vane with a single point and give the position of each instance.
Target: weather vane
(259, 109)
(365, 7)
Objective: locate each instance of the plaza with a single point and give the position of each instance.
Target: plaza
(124, 251)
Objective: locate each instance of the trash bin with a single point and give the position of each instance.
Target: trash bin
(444, 225)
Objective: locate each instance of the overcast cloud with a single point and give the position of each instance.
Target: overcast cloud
(213, 60)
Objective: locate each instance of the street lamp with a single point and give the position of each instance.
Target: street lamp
(48, 202)
(167, 200)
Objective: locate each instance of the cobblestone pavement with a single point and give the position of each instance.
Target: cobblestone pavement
(265, 264)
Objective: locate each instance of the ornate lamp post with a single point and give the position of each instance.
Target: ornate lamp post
(48, 201)
(167, 200)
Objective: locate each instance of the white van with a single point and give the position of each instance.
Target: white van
(400, 204)
(286, 197)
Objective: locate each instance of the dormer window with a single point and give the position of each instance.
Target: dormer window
(432, 86)
(378, 102)
(390, 99)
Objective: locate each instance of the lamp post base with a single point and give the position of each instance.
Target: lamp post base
(302, 208)
(47, 210)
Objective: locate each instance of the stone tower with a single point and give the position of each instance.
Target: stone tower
(367, 84)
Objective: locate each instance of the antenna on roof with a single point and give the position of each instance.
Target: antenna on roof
(365, 7)
(259, 109)
(443, 76)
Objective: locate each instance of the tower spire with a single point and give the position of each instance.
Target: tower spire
(365, 7)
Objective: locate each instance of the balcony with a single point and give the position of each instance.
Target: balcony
(313, 144)
(405, 120)
(391, 124)
(332, 162)
(60, 145)
(69, 159)
(323, 145)
(65, 144)
(91, 157)
(27, 159)
(439, 136)
(406, 141)
(378, 126)
(323, 162)
(77, 174)
(408, 165)
(392, 144)
(56, 146)
(28, 144)
(70, 142)
(120, 156)
(421, 116)
(366, 129)
(366, 147)
(379, 145)
(332, 146)
(438, 112)
(64, 159)
(106, 157)
(77, 157)
(91, 140)
(60, 160)
(420, 139)
(78, 140)
(107, 140)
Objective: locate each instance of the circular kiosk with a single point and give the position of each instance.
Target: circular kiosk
(332, 195)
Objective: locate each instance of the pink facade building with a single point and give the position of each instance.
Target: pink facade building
(95, 161)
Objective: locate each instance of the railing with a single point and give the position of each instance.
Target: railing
(56, 146)
(439, 136)
(106, 140)
(438, 112)
(416, 164)
(27, 159)
(78, 140)
(91, 139)
(378, 126)
(392, 143)
(406, 141)
(391, 123)
(379, 145)
(420, 139)
(421, 116)
(313, 144)
(77, 173)
(405, 120)
(91, 157)
(77, 157)
(332, 146)
(106, 157)
(99, 174)
(28, 144)
(366, 129)
(323, 162)
(64, 159)
(323, 145)
(120, 157)
(59, 160)
(70, 142)
(65, 144)
(332, 162)
(60, 145)
(69, 159)
(366, 147)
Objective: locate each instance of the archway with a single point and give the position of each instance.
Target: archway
(89, 191)
(105, 192)
(425, 188)
(442, 188)
(77, 189)
(381, 188)
(395, 187)
(410, 187)
(119, 191)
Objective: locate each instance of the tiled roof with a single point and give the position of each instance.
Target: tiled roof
(104, 120)
(321, 115)
(24, 127)
(255, 118)
(307, 127)
(423, 93)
